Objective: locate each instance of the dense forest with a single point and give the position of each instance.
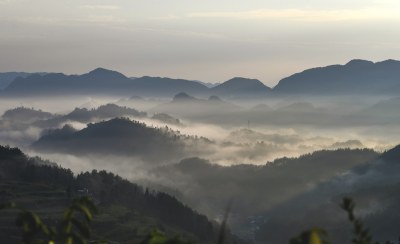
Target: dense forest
(116, 196)
(120, 136)
(256, 188)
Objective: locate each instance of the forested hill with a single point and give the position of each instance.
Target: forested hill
(127, 211)
(84, 115)
(119, 136)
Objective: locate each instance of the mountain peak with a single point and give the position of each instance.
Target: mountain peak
(355, 77)
(100, 70)
(194, 164)
(182, 96)
(359, 63)
(388, 62)
(240, 86)
(242, 80)
(106, 72)
(392, 155)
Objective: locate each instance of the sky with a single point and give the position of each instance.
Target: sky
(205, 40)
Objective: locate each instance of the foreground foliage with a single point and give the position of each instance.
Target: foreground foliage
(129, 213)
(73, 227)
(361, 234)
(108, 189)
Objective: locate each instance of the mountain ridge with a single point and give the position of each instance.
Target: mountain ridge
(240, 87)
(356, 76)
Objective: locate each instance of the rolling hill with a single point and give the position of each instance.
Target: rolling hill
(26, 115)
(355, 77)
(120, 137)
(241, 88)
(374, 185)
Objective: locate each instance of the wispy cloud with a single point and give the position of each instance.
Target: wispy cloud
(304, 14)
(100, 7)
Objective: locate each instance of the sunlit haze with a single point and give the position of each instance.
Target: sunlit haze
(204, 40)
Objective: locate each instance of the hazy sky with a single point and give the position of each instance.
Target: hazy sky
(195, 39)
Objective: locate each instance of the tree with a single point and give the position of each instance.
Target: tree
(73, 228)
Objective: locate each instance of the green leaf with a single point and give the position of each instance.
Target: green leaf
(86, 211)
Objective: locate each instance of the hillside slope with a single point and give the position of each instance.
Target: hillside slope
(127, 211)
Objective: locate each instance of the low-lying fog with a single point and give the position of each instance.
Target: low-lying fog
(251, 134)
(179, 140)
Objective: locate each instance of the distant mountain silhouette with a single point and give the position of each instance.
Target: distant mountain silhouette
(208, 84)
(184, 97)
(97, 81)
(241, 88)
(108, 82)
(23, 114)
(164, 87)
(383, 112)
(355, 77)
(7, 77)
(185, 105)
(101, 81)
(85, 115)
(386, 108)
(103, 112)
